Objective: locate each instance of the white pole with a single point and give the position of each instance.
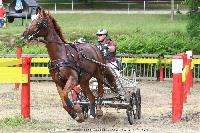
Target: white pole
(177, 7)
(144, 5)
(128, 7)
(172, 9)
(55, 8)
(72, 5)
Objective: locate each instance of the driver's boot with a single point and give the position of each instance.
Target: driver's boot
(92, 110)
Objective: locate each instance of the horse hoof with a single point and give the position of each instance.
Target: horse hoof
(80, 118)
(99, 113)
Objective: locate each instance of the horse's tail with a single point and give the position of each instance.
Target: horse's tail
(110, 80)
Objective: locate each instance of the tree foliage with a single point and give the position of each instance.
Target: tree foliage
(193, 26)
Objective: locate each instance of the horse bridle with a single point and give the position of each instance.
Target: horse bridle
(40, 26)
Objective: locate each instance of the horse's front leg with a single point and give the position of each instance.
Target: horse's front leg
(67, 104)
(70, 84)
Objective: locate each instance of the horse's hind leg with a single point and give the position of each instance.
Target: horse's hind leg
(111, 80)
(84, 83)
(100, 92)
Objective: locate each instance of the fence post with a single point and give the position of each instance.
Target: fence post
(144, 5)
(161, 70)
(172, 9)
(161, 73)
(177, 7)
(177, 88)
(19, 55)
(55, 8)
(128, 8)
(72, 5)
(26, 22)
(25, 93)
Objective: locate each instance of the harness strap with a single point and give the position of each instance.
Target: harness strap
(93, 60)
(70, 105)
(60, 63)
(78, 50)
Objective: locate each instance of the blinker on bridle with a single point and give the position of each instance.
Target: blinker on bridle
(40, 26)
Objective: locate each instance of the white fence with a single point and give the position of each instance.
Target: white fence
(115, 5)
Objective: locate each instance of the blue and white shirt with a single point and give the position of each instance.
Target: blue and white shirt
(18, 5)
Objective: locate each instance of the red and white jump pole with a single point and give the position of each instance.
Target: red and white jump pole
(25, 93)
(177, 89)
(189, 79)
(182, 82)
(184, 77)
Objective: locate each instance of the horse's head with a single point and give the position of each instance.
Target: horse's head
(38, 27)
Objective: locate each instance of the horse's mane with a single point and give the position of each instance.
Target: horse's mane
(57, 28)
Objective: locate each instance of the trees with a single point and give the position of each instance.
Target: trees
(193, 26)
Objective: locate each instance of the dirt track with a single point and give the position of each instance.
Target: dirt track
(49, 116)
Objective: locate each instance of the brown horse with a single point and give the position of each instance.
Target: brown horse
(67, 60)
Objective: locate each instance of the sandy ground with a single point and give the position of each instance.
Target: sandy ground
(49, 116)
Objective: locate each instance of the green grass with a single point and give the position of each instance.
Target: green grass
(16, 124)
(116, 23)
(85, 25)
(81, 24)
(12, 122)
(120, 23)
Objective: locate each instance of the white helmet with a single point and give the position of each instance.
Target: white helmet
(102, 32)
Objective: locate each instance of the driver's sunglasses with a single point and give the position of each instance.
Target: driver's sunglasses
(100, 35)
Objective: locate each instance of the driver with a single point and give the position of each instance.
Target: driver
(108, 47)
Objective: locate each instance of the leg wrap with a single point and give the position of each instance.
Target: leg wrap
(69, 103)
(99, 100)
(92, 109)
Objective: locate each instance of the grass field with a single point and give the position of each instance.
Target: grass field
(116, 23)
(85, 25)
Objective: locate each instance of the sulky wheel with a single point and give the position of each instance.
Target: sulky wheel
(130, 113)
(10, 19)
(134, 109)
(131, 110)
(138, 104)
(84, 107)
(85, 111)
